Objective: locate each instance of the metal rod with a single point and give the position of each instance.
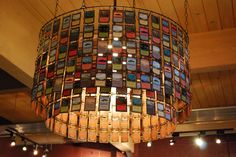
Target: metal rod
(115, 4)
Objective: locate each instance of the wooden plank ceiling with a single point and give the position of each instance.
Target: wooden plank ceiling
(209, 89)
(203, 15)
(214, 89)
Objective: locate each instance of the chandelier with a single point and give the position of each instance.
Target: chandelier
(112, 74)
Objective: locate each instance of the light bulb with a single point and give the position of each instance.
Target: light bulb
(218, 141)
(116, 39)
(172, 142)
(115, 54)
(13, 143)
(44, 155)
(149, 144)
(35, 152)
(109, 46)
(199, 142)
(24, 148)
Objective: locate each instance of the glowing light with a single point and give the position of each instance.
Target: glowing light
(115, 54)
(199, 142)
(124, 47)
(109, 46)
(24, 148)
(149, 144)
(13, 143)
(116, 39)
(35, 152)
(172, 142)
(218, 141)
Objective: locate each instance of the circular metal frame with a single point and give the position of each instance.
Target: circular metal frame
(107, 73)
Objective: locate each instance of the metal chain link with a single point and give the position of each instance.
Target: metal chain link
(186, 15)
(56, 8)
(134, 3)
(83, 4)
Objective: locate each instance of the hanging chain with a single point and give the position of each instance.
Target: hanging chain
(56, 8)
(186, 15)
(133, 3)
(83, 4)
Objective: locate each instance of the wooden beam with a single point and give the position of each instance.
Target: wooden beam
(213, 51)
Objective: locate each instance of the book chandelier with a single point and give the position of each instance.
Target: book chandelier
(112, 74)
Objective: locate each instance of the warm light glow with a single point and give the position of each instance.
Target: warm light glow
(13, 143)
(100, 54)
(35, 152)
(44, 155)
(124, 47)
(115, 54)
(116, 39)
(24, 148)
(102, 39)
(172, 142)
(218, 141)
(199, 142)
(149, 144)
(109, 62)
(124, 63)
(109, 46)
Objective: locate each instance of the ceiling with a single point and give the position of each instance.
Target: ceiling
(203, 15)
(212, 28)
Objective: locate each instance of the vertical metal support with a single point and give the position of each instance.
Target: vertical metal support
(115, 4)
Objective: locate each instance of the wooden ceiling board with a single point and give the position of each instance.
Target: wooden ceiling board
(153, 6)
(202, 92)
(217, 88)
(233, 82)
(38, 9)
(212, 14)
(233, 4)
(194, 99)
(196, 89)
(15, 106)
(128, 3)
(179, 9)
(226, 13)
(198, 16)
(227, 88)
(168, 9)
(208, 90)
